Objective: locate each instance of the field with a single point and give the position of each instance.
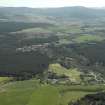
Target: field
(45, 95)
(88, 38)
(31, 92)
(5, 79)
(72, 73)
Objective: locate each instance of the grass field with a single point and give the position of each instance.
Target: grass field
(72, 96)
(59, 70)
(31, 92)
(4, 80)
(45, 95)
(88, 38)
(17, 93)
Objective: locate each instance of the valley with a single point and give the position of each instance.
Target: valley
(51, 56)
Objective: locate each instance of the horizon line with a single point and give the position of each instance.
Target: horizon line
(49, 7)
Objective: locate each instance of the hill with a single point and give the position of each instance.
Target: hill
(24, 14)
(92, 99)
(67, 36)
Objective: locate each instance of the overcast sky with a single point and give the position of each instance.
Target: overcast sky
(52, 3)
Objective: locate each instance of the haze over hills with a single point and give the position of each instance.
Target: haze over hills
(51, 55)
(22, 28)
(76, 12)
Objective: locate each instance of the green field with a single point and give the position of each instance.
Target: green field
(5, 79)
(72, 73)
(45, 95)
(88, 38)
(31, 92)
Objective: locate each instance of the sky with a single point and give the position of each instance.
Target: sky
(52, 3)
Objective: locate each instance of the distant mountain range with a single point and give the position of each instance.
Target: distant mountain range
(76, 12)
